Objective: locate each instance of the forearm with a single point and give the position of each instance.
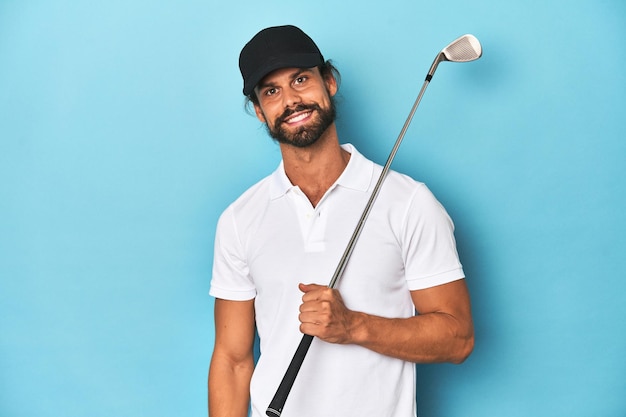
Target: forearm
(229, 387)
(428, 338)
(441, 332)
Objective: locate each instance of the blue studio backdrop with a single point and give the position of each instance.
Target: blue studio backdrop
(123, 135)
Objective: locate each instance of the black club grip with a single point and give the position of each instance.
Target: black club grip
(278, 402)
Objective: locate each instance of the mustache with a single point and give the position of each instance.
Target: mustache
(298, 108)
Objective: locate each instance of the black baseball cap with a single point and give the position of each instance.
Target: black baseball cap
(274, 48)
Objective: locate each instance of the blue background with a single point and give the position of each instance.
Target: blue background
(123, 136)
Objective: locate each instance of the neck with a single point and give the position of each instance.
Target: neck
(315, 169)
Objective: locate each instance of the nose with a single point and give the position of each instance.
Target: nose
(291, 98)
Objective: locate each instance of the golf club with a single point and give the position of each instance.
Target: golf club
(464, 49)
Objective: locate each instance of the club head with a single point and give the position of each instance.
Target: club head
(464, 49)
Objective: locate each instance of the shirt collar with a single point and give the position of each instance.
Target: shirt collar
(356, 176)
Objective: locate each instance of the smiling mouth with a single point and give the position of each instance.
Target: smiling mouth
(296, 118)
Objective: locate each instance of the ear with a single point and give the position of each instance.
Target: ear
(331, 85)
(259, 113)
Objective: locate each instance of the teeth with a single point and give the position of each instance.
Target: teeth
(298, 118)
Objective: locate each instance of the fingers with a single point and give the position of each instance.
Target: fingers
(316, 299)
(322, 313)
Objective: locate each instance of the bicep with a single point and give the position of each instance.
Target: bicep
(232, 362)
(234, 329)
(446, 316)
(451, 298)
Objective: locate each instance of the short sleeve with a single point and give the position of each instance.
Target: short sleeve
(231, 276)
(429, 246)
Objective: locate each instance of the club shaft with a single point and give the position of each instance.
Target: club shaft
(368, 207)
(278, 402)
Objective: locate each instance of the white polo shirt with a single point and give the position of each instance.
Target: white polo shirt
(272, 238)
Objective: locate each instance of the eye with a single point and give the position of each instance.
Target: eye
(300, 80)
(270, 91)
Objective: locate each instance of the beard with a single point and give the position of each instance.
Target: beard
(305, 135)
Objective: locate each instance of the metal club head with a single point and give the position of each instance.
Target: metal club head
(464, 49)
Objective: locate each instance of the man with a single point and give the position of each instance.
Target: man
(278, 244)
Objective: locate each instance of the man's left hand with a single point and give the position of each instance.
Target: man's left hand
(323, 314)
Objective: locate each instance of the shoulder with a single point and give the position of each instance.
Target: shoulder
(255, 195)
(408, 199)
(402, 187)
(398, 188)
